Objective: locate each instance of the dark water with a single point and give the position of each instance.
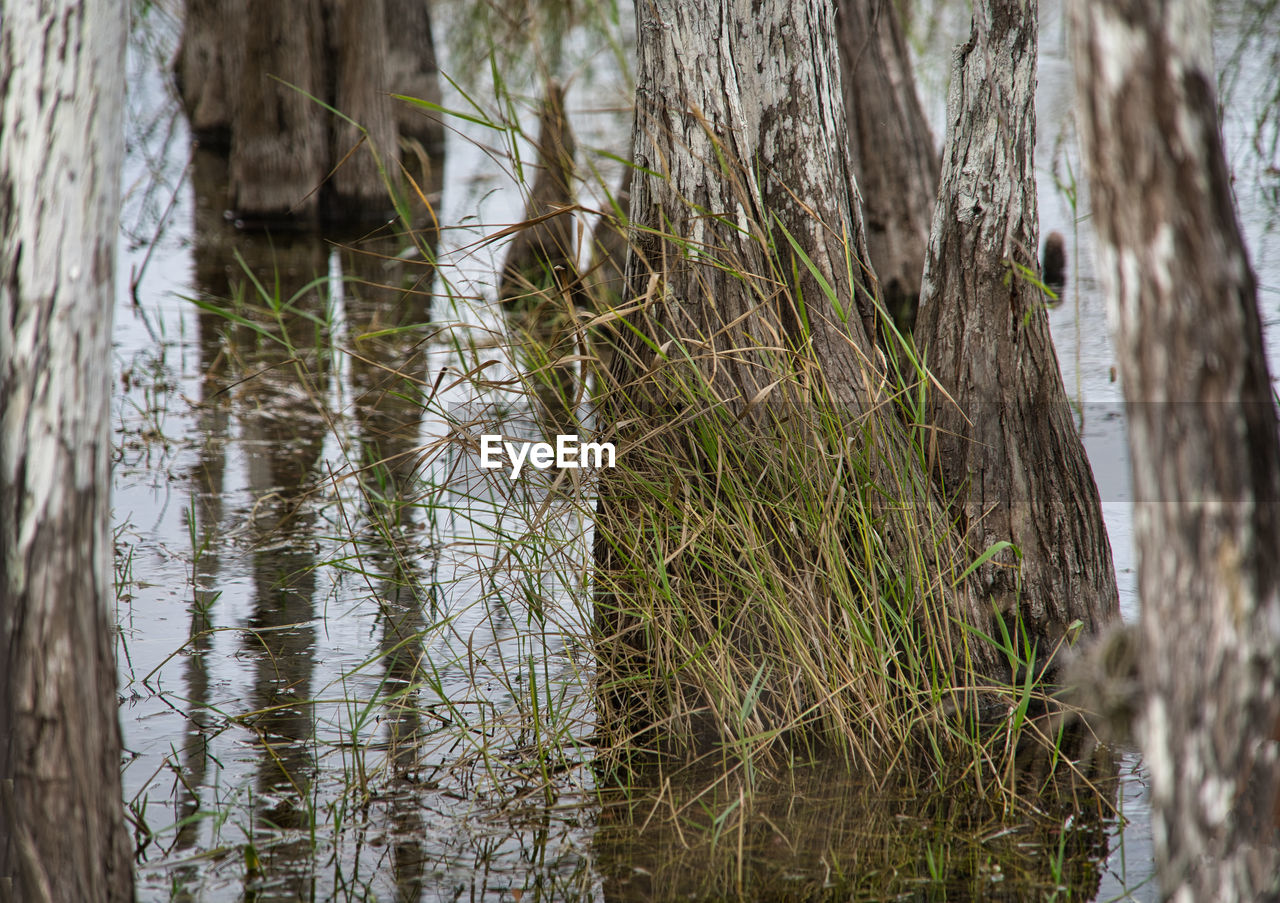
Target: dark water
(346, 652)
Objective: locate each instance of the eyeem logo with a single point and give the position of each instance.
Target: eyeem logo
(568, 453)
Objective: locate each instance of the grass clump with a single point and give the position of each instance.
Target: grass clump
(774, 576)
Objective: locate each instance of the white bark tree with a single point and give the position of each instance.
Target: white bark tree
(1202, 431)
(61, 146)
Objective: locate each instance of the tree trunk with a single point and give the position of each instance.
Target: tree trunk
(358, 42)
(61, 147)
(700, 130)
(754, 330)
(261, 89)
(1202, 430)
(1006, 454)
(207, 67)
(412, 71)
(541, 263)
(606, 277)
(891, 149)
(279, 138)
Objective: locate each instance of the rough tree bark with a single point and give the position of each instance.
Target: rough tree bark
(891, 149)
(700, 120)
(1007, 453)
(1202, 430)
(745, 226)
(61, 147)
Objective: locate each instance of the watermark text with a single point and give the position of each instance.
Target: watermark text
(568, 452)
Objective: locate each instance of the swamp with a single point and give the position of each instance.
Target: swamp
(356, 664)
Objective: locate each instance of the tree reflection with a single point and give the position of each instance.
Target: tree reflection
(820, 833)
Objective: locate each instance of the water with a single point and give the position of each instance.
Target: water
(303, 631)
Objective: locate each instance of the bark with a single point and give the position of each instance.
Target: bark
(541, 262)
(1006, 452)
(207, 67)
(246, 88)
(412, 70)
(366, 144)
(61, 148)
(606, 278)
(1202, 431)
(279, 139)
(694, 109)
(891, 149)
(739, 126)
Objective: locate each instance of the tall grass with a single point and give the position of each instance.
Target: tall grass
(764, 583)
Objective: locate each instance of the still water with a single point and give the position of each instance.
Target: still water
(342, 644)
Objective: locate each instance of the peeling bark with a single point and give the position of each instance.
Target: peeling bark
(1007, 455)
(891, 148)
(1202, 429)
(61, 147)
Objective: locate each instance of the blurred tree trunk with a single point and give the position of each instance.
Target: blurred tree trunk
(891, 148)
(1006, 452)
(540, 271)
(1202, 430)
(207, 67)
(279, 146)
(361, 185)
(61, 147)
(411, 70)
(257, 87)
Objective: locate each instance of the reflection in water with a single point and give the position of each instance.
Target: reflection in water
(822, 834)
(205, 519)
(388, 307)
(388, 314)
(204, 522)
(266, 355)
(402, 624)
(283, 351)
